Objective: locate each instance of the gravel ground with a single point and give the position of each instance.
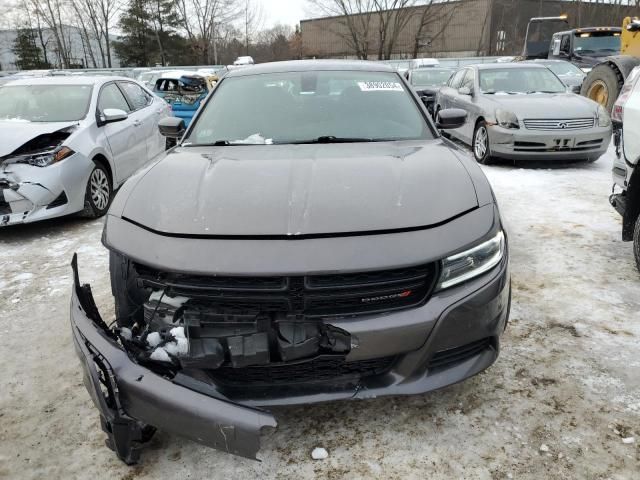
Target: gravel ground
(557, 404)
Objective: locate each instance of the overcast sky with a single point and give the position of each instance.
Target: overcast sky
(287, 12)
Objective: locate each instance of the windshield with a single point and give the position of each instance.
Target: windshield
(519, 80)
(564, 68)
(430, 77)
(597, 43)
(45, 103)
(309, 107)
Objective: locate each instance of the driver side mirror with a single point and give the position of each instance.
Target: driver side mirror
(171, 127)
(464, 91)
(451, 118)
(112, 115)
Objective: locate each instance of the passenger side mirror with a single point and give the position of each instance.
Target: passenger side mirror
(171, 127)
(451, 118)
(112, 115)
(464, 91)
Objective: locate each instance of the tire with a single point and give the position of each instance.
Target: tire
(99, 192)
(603, 85)
(481, 153)
(128, 297)
(636, 242)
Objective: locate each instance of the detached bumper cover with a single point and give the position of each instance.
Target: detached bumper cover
(132, 399)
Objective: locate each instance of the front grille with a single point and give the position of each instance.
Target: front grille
(319, 369)
(308, 296)
(559, 124)
(451, 356)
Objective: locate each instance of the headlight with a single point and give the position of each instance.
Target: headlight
(44, 158)
(507, 119)
(604, 120)
(476, 261)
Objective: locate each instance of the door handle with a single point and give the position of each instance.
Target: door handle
(159, 111)
(137, 123)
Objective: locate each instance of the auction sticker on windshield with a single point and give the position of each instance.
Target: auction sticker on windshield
(380, 86)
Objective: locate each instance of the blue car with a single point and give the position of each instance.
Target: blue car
(184, 93)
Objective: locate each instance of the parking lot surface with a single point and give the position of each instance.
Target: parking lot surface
(563, 395)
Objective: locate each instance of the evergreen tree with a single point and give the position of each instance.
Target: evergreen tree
(135, 46)
(25, 48)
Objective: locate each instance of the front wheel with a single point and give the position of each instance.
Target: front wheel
(636, 242)
(98, 193)
(481, 146)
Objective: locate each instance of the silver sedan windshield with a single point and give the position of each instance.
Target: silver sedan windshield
(519, 80)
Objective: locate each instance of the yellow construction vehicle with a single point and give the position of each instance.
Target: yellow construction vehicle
(605, 80)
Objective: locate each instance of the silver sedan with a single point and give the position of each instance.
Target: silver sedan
(524, 112)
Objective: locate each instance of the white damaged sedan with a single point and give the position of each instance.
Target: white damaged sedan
(67, 143)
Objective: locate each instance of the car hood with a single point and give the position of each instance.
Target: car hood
(540, 105)
(15, 133)
(293, 190)
(572, 80)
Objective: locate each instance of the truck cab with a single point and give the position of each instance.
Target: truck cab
(585, 47)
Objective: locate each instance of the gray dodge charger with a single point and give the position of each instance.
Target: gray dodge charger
(310, 238)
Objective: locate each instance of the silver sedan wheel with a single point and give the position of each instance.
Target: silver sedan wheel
(99, 189)
(481, 143)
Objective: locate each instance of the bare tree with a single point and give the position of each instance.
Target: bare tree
(51, 12)
(393, 17)
(354, 22)
(433, 13)
(201, 19)
(252, 20)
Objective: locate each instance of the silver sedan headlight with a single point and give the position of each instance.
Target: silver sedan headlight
(507, 119)
(604, 120)
(471, 263)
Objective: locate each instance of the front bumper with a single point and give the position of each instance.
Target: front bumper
(523, 144)
(29, 193)
(131, 398)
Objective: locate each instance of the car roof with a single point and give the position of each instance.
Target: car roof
(492, 66)
(67, 80)
(545, 60)
(311, 66)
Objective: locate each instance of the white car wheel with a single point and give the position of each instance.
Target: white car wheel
(98, 193)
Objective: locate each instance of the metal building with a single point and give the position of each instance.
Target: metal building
(450, 28)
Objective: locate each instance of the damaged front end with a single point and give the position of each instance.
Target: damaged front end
(136, 393)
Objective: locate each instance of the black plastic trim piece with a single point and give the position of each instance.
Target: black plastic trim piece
(309, 236)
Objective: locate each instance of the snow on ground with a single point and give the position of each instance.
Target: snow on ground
(563, 395)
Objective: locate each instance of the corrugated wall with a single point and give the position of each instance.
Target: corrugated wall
(459, 28)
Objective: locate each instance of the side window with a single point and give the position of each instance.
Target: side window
(456, 80)
(555, 46)
(136, 95)
(565, 44)
(111, 97)
(468, 79)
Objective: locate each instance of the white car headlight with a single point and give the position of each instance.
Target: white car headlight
(604, 120)
(43, 158)
(475, 261)
(507, 119)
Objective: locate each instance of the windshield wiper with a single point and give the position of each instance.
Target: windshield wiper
(334, 139)
(217, 143)
(542, 91)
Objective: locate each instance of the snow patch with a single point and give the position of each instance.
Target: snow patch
(319, 453)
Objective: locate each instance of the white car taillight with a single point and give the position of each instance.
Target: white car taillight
(617, 114)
